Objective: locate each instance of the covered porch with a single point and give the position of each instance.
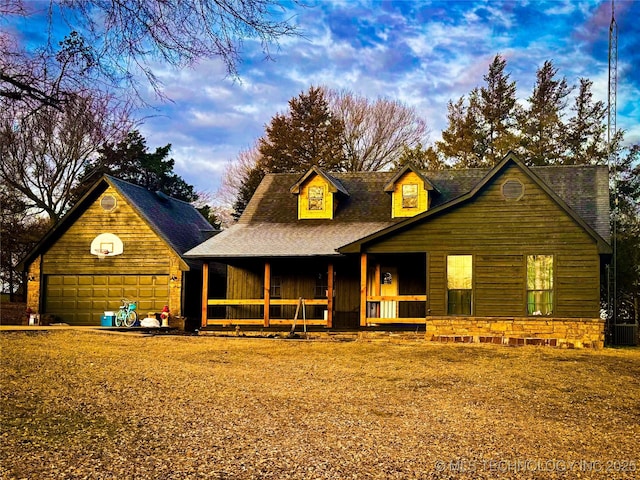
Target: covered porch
(393, 289)
(270, 292)
(342, 292)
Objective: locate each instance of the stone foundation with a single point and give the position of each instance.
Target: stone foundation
(560, 332)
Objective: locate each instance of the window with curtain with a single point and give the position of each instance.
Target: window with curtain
(459, 284)
(539, 284)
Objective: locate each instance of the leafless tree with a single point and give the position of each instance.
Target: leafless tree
(42, 152)
(376, 132)
(113, 42)
(235, 177)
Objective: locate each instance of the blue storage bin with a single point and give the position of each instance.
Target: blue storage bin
(106, 320)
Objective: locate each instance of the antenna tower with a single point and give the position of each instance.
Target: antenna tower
(613, 160)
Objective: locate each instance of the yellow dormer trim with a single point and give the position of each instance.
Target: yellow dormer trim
(406, 205)
(310, 205)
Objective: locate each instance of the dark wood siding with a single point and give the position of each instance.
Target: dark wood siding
(499, 234)
(347, 298)
(79, 286)
(245, 281)
(501, 280)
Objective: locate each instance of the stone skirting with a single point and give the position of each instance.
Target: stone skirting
(561, 332)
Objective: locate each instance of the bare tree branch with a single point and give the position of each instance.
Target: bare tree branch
(375, 132)
(114, 42)
(44, 152)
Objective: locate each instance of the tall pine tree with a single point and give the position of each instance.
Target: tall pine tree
(498, 108)
(464, 141)
(586, 141)
(542, 131)
(308, 135)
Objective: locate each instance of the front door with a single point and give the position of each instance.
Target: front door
(389, 288)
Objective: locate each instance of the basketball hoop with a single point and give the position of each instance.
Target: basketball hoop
(106, 245)
(101, 254)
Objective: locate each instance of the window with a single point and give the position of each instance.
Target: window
(322, 285)
(108, 203)
(410, 195)
(275, 311)
(539, 284)
(512, 189)
(459, 284)
(276, 287)
(316, 198)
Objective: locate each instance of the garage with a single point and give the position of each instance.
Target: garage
(82, 299)
(119, 241)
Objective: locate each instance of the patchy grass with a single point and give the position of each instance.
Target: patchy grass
(89, 404)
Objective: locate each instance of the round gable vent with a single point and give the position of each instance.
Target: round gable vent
(108, 203)
(512, 189)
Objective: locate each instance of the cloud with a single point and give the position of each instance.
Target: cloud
(421, 53)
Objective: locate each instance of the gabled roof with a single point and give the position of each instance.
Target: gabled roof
(334, 184)
(270, 226)
(389, 187)
(176, 222)
(566, 184)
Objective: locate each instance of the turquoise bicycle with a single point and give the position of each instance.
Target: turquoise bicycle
(127, 314)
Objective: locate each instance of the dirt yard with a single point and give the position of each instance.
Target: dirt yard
(87, 404)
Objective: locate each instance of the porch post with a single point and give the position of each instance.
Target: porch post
(330, 296)
(267, 292)
(205, 293)
(363, 289)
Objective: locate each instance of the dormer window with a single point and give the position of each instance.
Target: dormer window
(318, 194)
(410, 195)
(316, 198)
(410, 191)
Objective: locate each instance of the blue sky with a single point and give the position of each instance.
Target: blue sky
(422, 53)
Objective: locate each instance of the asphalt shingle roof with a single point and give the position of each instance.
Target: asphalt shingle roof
(178, 222)
(269, 225)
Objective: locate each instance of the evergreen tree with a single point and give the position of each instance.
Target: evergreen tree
(585, 140)
(251, 181)
(131, 161)
(463, 141)
(308, 135)
(498, 109)
(541, 127)
(626, 205)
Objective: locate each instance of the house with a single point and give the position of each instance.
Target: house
(120, 241)
(511, 254)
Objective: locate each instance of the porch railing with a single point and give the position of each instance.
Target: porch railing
(376, 315)
(259, 320)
